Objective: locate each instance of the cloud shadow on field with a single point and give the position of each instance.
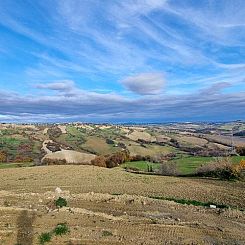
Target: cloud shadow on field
(25, 228)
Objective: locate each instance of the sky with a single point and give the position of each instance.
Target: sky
(122, 60)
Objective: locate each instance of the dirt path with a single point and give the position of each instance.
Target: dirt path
(44, 146)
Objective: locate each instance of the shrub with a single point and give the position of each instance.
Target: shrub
(21, 158)
(106, 233)
(61, 202)
(45, 237)
(149, 168)
(241, 150)
(3, 156)
(169, 169)
(221, 168)
(122, 145)
(53, 146)
(110, 142)
(174, 142)
(117, 159)
(61, 229)
(54, 132)
(48, 161)
(240, 168)
(113, 160)
(137, 158)
(99, 161)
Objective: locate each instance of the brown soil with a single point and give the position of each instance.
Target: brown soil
(70, 156)
(96, 215)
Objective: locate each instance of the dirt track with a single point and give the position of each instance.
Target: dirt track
(128, 219)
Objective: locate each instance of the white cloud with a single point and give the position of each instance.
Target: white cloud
(145, 83)
(93, 39)
(62, 86)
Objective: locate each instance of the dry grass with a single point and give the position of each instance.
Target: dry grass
(192, 140)
(72, 157)
(62, 128)
(98, 145)
(151, 150)
(91, 178)
(135, 135)
(131, 218)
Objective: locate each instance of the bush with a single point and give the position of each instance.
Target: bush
(54, 132)
(221, 168)
(110, 142)
(175, 143)
(122, 145)
(137, 158)
(3, 156)
(117, 159)
(99, 161)
(48, 161)
(240, 168)
(45, 237)
(241, 150)
(20, 158)
(111, 161)
(61, 229)
(53, 146)
(169, 169)
(149, 168)
(61, 202)
(107, 233)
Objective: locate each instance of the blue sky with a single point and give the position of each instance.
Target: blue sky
(121, 61)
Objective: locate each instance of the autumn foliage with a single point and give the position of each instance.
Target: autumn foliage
(222, 168)
(3, 156)
(241, 150)
(111, 161)
(99, 161)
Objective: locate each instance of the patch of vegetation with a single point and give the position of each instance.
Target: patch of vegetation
(107, 233)
(168, 169)
(190, 202)
(222, 168)
(189, 164)
(15, 165)
(45, 237)
(241, 150)
(61, 229)
(141, 165)
(61, 202)
(73, 139)
(112, 160)
(99, 145)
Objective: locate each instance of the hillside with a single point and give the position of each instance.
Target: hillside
(32, 143)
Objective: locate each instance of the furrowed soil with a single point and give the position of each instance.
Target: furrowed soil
(111, 206)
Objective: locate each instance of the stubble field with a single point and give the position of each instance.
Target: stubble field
(111, 206)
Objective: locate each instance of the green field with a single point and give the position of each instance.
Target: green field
(141, 165)
(186, 165)
(15, 165)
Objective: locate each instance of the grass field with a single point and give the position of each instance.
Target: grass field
(99, 146)
(141, 165)
(15, 165)
(149, 149)
(186, 165)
